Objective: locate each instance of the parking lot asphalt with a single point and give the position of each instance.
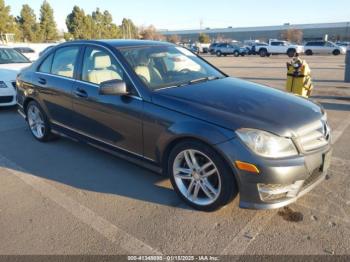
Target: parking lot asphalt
(67, 198)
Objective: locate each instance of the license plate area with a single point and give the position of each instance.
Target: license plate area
(327, 159)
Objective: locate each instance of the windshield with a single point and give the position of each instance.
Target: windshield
(168, 66)
(11, 56)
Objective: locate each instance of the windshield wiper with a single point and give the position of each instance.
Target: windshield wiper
(198, 80)
(203, 79)
(194, 81)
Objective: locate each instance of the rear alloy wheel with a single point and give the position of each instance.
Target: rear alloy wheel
(200, 177)
(236, 53)
(336, 52)
(218, 53)
(308, 52)
(37, 122)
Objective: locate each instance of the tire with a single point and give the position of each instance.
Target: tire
(236, 54)
(336, 52)
(218, 53)
(263, 52)
(291, 52)
(214, 191)
(308, 52)
(38, 123)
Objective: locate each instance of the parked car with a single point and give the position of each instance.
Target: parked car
(255, 49)
(205, 50)
(248, 50)
(344, 44)
(277, 47)
(229, 49)
(194, 49)
(27, 52)
(11, 62)
(324, 47)
(212, 48)
(126, 98)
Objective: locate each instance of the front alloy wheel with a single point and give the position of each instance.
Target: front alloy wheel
(200, 176)
(196, 177)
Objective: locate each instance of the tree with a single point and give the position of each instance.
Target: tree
(48, 26)
(203, 38)
(27, 24)
(174, 39)
(7, 22)
(110, 30)
(293, 35)
(128, 29)
(77, 24)
(150, 33)
(97, 18)
(102, 25)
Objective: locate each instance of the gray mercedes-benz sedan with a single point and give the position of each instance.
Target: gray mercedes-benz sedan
(165, 108)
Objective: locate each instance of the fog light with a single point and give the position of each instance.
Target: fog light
(270, 192)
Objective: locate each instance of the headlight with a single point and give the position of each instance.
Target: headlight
(266, 144)
(2, 84)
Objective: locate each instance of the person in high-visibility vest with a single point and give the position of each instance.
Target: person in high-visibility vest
(299, 80)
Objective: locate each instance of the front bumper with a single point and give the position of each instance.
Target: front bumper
(280, 181)
(7, 95)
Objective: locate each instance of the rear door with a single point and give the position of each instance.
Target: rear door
(54, 79)
(109, 119)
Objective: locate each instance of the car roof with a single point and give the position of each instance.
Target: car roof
(122, 43)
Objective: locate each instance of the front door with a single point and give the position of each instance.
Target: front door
(113, 120)
(55, 78)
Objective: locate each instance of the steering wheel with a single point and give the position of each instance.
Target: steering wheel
(185, 71)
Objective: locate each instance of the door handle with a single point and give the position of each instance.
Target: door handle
(81, 93)
(42, 81)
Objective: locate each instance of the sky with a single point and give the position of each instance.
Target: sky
(192, 14)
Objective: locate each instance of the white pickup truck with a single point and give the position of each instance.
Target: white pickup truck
(277, 47)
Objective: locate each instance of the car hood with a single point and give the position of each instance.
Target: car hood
(8, 72)
(233, 103)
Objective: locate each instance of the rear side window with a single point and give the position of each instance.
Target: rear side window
(64, 61)
(45, 66)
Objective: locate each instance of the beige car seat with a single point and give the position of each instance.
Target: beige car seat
(147, 72)
(102, 69)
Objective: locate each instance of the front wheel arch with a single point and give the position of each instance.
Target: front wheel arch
(176, 141)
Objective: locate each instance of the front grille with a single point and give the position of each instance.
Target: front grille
(314, 136)
(312, 178)
(6, 99)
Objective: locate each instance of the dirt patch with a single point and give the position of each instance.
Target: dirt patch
(290, 215)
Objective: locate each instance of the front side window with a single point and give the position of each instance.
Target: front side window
(168, 66)
(11, 56)
(99, 66)
(64, 61)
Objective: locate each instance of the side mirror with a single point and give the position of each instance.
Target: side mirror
(113, 87)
